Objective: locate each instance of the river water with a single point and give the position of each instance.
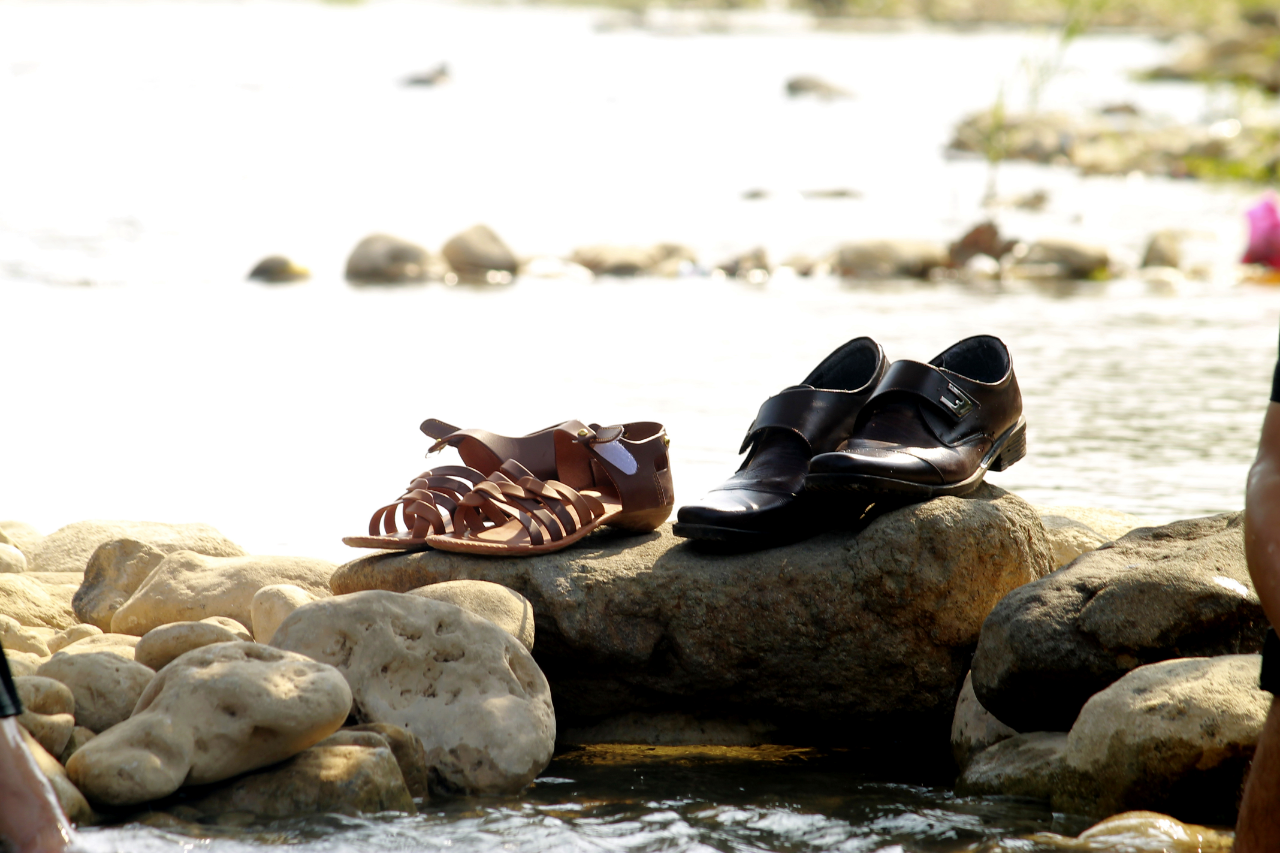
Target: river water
(152, 152)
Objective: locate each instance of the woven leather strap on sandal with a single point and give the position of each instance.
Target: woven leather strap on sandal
(427, 506)
(545, 509)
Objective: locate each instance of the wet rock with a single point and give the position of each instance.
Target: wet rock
(277, 269)
(1068, 259)
(1076, 530)
(974, 728)
(161, 645)
(672, 260)
(383, 259)
(188, 587)
(1024, 765)
(409, 754)
(807, 85)
(106, 685)
(849, 636)
(11, 559)
(80, 735)
(69, 548)
(1164, 250)
(1154, 594)
(752, 265)
(272, 604)
(72, 802)
(889, 259)
(478, 251)
(35, 604)
(982, 239)
(22, 536)
(213, 713)
(17, 637)
(467, 688)
(1149, 831)
(618, 261)
(48, 711)
(67, 636)
(506, 608)
(670, 730)
(350, 773)
(1175, 736)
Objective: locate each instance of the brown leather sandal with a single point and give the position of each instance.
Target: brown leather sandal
(618, 476)
(428, 504)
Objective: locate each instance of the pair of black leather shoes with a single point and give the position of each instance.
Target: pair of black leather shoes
(888, 433)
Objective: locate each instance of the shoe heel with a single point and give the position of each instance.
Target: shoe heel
(641, 520)
(1015, 447)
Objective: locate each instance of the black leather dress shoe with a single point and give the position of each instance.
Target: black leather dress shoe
(764, 504)
(932, 429)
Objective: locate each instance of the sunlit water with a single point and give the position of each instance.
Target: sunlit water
(152, 152)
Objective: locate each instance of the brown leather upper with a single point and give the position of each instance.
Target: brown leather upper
(486, 451)
(627, 462)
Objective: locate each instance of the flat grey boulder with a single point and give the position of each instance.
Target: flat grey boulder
(1175, 737)
(467, 688)
(69, 548)
(843, 638)
(1157, 593)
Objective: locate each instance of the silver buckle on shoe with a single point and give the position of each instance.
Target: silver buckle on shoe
(962, 404)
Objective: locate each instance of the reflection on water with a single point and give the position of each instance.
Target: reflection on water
(802, 802)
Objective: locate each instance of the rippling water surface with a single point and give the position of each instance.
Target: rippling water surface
(154, 151)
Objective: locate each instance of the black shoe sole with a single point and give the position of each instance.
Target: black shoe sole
(1007, 449)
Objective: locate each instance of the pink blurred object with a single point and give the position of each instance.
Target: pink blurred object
(1264, 233)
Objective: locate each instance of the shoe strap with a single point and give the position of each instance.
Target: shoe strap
(942, 389)
(821, 417)
(628, 462)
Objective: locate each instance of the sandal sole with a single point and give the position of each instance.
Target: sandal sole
(1007, 449)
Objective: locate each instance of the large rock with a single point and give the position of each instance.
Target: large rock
(214, 713)
(1076, 530)
(476, 252)
(1157, 593)
(1068, 259)
(847, 637)
(890, 259)
(506, 608)
(69, 549)
(71, 801)
(351, 773)
(1020, 766)
(115, 570)
(48, 711)
(161, 645)
(383, 259)
(22, 536)
(974, 728)
(1175, 736)
(188, 587)
(106, 685)
(35, 604)
(12, 560)
(270, 606)
(463, 685)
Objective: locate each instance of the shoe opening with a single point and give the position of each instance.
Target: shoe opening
(983, 358)
(848, 368)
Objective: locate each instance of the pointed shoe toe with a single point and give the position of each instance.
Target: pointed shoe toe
(932, 429)
(764, 504)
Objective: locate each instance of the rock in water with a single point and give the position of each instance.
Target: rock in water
(1071, 259)
(161, 645)
(383, 259)
(106, 685)
(476, 252)
(188, 587)
(1020, 766)
(1154, 594)
(847, 637)
(890, 259)
(408, 750)
(277, 269)
(974, 728)
(1175, 736)
(463, 685)
(349, 773)
(213, 713)
(506, 608)
(69, 549)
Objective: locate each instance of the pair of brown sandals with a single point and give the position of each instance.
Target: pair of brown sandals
(531, 494)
